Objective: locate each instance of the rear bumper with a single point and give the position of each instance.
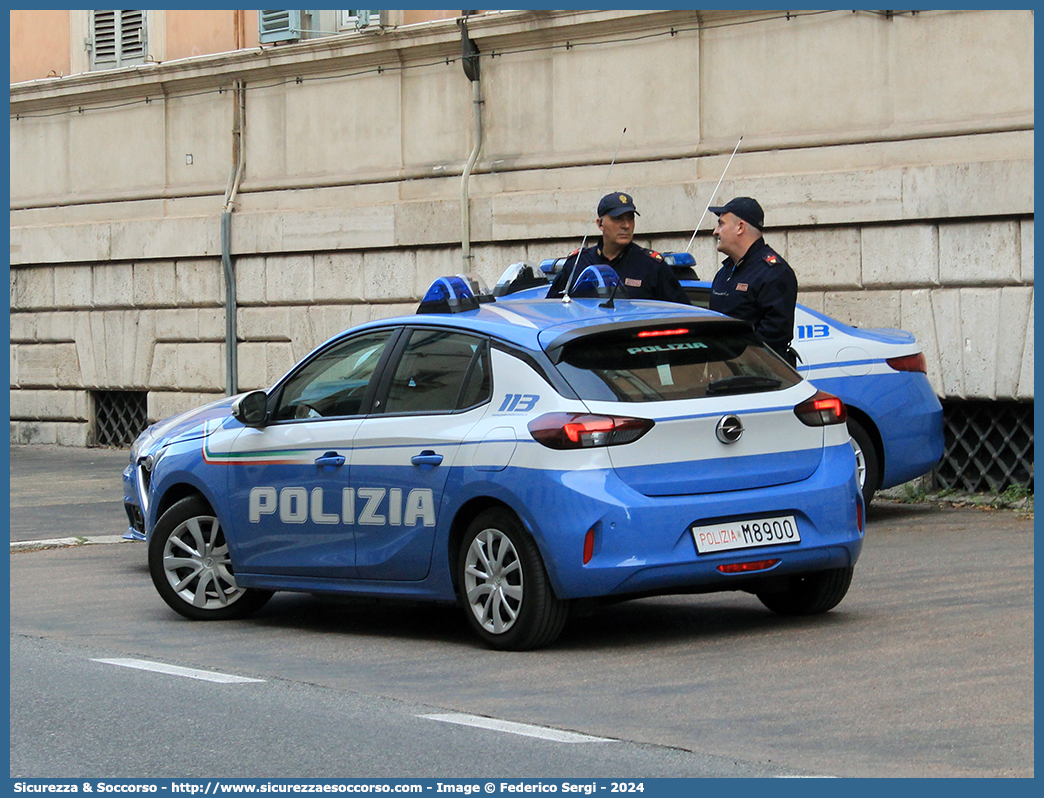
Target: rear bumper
(643, 544)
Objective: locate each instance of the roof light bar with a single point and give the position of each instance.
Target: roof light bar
(597, 280)
(454, 294)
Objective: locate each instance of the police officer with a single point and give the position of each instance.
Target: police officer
(642, 272)
(754, 283)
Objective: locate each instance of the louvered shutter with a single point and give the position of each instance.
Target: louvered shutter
(132, 37)
(104, 40)
(278, 26)
(118, 39)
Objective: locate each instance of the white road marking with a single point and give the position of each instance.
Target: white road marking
(54, 543)
(175, 670)
(523, 729)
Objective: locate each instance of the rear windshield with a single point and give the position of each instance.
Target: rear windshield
(667, 363)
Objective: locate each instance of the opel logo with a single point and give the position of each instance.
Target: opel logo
(729, 429)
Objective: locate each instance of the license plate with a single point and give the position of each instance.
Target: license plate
(730, 535)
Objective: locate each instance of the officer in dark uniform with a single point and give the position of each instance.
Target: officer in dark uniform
(754, 283)
(642, 272)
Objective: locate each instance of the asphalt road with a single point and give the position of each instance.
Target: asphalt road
(58, 491)
(926, 668)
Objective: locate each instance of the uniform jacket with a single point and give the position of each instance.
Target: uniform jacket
(642, 272)
(762, 289)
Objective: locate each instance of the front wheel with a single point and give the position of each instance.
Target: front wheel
(504, 585)
(191, 568)
(810, 594)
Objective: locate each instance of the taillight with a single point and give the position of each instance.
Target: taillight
(822, 409)
(583, 430)
(909, 363)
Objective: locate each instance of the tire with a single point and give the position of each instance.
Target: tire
(810, 594)
(190, 565)
(504, 586)
(867, 462)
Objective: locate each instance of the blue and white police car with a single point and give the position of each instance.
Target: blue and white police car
(510, 457)
(894, 417)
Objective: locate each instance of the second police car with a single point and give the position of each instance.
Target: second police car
(511, 457)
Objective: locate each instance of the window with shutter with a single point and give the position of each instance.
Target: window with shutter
(117, 39)
(278, 26)
(360, 18)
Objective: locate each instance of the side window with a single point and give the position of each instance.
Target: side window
(440, 371)
(334, 382)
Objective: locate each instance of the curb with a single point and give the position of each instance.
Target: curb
(62, 543)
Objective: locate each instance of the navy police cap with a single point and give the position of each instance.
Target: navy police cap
(616, 204)
(745, 208)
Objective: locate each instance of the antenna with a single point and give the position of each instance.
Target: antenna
(712, 195)
(612, 295)
(572, 274)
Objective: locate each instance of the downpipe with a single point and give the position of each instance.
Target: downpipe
(470, 62)
(234, 178)
(465, 202)
(231, 354)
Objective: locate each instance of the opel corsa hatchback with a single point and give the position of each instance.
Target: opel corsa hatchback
(509, 457)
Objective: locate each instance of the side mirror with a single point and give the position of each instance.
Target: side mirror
(251, 409)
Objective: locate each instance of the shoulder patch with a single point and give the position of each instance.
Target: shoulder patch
(772, 260)
(655, 255)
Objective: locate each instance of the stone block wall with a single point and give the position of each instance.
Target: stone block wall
(977, 332)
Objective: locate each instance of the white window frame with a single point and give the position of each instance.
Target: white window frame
(126, 45)
(350, 19)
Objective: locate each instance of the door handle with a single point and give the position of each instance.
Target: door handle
(330, 460)
(426, 458)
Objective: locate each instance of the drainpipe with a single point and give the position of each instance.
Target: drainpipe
(471, 70)
(234, 178)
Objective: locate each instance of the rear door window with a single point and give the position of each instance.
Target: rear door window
(439, 371)
(671, 363)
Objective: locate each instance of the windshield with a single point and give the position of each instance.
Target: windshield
(663, 364)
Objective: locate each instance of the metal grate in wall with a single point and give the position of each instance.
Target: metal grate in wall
(989, 446)
(119, 417)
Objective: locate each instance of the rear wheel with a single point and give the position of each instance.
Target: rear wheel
(810, 594)
(504, 586)
(867, 466)
(190, 565)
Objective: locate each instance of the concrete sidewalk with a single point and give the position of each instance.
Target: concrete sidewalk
(59, 491)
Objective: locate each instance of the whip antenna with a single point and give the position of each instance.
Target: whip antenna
(583, 243)
(712, 195)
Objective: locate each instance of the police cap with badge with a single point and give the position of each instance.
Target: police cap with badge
(746, 209)
(616, 204)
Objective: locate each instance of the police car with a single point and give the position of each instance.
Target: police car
(510, 457)
(894, 417)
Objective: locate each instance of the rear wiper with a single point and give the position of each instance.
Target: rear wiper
(743, 383)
